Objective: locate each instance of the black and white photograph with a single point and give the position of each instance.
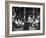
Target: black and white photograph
(25, 18)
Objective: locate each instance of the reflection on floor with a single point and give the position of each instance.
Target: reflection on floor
(21, 29)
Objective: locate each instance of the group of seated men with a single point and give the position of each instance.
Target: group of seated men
(19, 22)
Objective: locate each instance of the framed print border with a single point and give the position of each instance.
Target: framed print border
(7, 14)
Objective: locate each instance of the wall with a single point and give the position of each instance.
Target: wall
(2, 19)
